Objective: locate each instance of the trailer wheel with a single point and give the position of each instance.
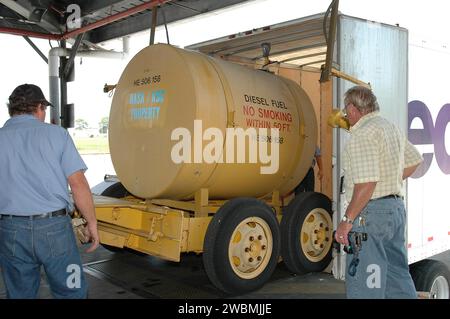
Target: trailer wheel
(241, 246)
(306, 233)
(431, 276)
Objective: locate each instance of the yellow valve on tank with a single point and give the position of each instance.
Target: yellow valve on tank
(338, 119)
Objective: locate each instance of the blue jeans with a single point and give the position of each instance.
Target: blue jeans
(26, 245)
(383, 270)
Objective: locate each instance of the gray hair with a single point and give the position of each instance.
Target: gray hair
(362, 98)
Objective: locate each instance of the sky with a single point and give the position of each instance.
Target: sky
(425, 20)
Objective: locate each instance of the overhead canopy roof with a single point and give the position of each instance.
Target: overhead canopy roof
(300, 42)
(102, 20)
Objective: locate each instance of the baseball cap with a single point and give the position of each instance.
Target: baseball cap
(29, 93)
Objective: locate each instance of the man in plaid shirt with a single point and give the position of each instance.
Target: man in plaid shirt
(377, 158)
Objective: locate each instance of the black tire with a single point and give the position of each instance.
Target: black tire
(311, 212)
(116, 190)
(431, 276)
(222, 272)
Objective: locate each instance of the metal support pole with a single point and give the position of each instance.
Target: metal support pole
(326, 72)
(31, 43)
(73, 53)
(154, 21)
(53, 70)
(63, 82)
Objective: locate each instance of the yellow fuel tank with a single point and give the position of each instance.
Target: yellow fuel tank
(174, 111)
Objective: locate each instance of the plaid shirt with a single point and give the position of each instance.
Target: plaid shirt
(377, 152)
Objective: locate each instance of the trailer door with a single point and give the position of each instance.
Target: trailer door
(375, 53)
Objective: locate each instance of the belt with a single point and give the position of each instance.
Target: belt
(56, 213)
(389, 196)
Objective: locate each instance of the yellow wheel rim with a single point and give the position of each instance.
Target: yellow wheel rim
(316, 235)
(250, 247)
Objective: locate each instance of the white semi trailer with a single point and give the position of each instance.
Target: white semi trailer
(409, 77)
(409, 81)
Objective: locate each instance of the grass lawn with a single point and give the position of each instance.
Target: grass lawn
(92, 145)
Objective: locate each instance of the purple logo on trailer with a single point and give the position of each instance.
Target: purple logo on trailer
(429, 134)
